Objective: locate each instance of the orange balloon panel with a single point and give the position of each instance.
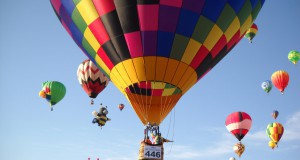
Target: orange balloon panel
(152, 109)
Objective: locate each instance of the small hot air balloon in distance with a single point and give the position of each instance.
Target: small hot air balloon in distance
(91, 79)
(53, 92)
(275, 131)
(275, 113)
(121, 106)
(267, 86)
(231, 158)
(280, 79)
(294, 56)
(239, 149)
(251, 32)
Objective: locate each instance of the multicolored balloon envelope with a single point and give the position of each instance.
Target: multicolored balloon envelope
(238, 123)
(280, 79)
(155, 51)
(53, 92)
(275, 131)
(275, 114)
(251, 32)
(91, 79)
(294, 56)
(267, 86)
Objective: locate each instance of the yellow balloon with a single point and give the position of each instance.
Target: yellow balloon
(272, 144)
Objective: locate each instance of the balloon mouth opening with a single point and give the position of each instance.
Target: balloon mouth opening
(153, 88)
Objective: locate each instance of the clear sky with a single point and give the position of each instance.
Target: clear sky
(35, 48)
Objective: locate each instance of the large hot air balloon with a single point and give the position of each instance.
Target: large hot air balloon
(280, 79)
(267, 86)
(92, 80)
(294, 56)
(275, 131)
(53, 92)
(238, 124)
(231, 158)
(251, 32)
(275, 113)
(155, 51)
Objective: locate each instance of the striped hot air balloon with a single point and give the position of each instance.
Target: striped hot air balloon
(294, 56)
(53, 92)
(154, 51)
(238, 123)
(251, 32)
(280, 79)
(91, 79)
(275, 131)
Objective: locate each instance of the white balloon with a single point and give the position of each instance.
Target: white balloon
(231, 158)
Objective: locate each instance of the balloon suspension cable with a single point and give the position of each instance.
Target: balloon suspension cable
(92, 101)
(169, 124)
(173, 131)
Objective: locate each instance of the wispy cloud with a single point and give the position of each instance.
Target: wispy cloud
(292, 128)
(189, 152)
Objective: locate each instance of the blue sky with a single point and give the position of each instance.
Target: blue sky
(36, 48)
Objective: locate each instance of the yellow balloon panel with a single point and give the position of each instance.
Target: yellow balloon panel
(139, 65)
(246, 25)
(154, 69)
(191, 51)
(213, 37)
(232, 29)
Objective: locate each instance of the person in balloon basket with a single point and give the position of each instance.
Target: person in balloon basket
(157, 138)
(100, 117)
(146, 140)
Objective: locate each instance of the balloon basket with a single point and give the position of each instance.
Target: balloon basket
(151, 152)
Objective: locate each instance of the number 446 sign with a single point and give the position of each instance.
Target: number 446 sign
(152, 152)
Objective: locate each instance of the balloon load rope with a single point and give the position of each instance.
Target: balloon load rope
(92, 102)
